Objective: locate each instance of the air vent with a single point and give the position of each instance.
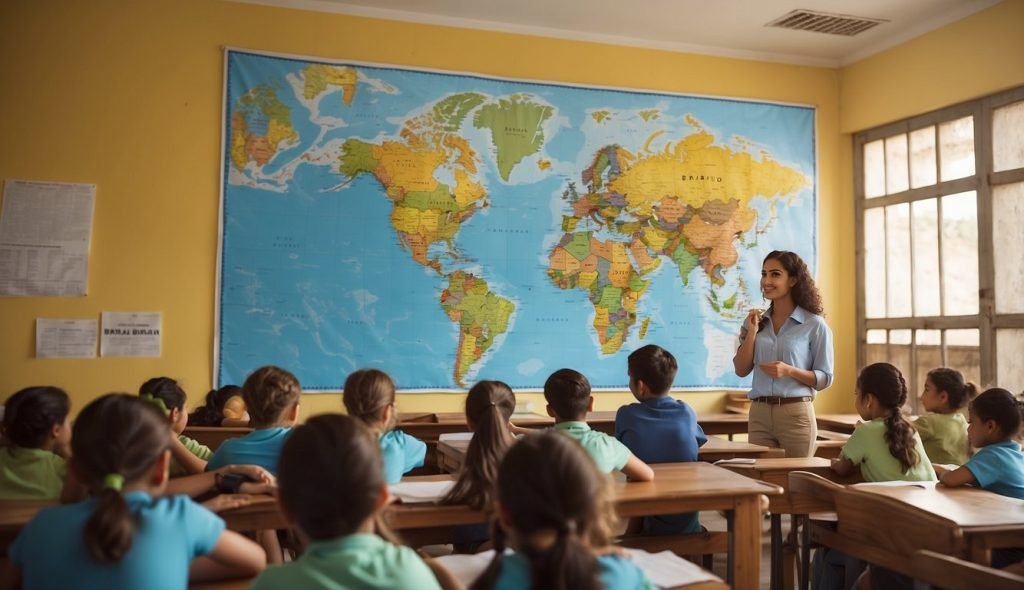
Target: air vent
(824, 22)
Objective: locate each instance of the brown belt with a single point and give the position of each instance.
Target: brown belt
(779, 400)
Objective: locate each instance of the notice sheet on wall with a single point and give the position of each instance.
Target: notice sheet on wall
(74, 339)
(130, 334)
(44, 238)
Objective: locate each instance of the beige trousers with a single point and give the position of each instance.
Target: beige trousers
(789, 426)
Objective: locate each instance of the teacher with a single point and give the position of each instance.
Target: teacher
(789, 349)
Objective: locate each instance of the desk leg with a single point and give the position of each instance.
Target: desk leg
(805, 552)
(730, 554)
(747, 543)
(776, 579)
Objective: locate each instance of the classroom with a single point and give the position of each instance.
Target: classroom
(134, 104)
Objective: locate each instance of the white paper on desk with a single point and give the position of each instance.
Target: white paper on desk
(44, 238)
(737, 461)
(925, 485)
(664, 569)
(416, 492)
(66, 338)
(130, 334)
(467, 436)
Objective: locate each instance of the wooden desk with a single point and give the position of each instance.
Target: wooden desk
(842, 423)
(776, 472)
(452, 453)
(213, 436)
(678, 487)
(887, 525)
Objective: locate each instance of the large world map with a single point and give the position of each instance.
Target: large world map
(449, 227)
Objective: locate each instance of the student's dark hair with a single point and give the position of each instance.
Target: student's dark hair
(655, 366)
(1001, 406)
(489, 406)
(805, 292)
(165, 389)
(366, 393)
(958, 391)
(117, 435)
(568, 393)
(268, 392)
(886, 383)
(546, 482)
(330, 476)
(211, 413)
(31, 413)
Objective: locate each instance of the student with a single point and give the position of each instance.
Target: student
(489, 407)
(37, 432)
(943, 429)
(555, 511)
(125, 536)
(188, 456)
(223, 407)
(369, 397)
(789, 350)
(331, 487)
(887, 448)
(998, 466)
(659, 429)
(272, 396)
(568, 395)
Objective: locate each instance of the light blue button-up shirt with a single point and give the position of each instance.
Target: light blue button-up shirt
(804, 342)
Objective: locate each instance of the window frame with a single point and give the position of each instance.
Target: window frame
(986, 321)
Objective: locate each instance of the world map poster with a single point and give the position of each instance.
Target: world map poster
(449, 227)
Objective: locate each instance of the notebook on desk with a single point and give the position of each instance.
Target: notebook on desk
(419, 492)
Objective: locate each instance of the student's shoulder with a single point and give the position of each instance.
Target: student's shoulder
(621, 572)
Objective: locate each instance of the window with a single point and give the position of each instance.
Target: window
(940, 243)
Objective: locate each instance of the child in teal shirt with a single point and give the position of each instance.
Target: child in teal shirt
(331, 488)
(369, 397)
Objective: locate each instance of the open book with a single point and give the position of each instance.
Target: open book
(455, 436)
(737, 461)
(664, 569)
(415, 492)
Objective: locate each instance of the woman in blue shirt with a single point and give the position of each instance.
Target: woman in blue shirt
(789, 350)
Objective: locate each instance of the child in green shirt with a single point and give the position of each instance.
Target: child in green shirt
(943, 429)
(37, 432)
(187, 455)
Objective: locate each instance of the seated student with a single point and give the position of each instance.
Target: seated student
(125, 536)
(272, 396)
(223, 407)
(187, 455)
(998, 466)
(659, 429)
(37, 433)
(555, 511)
(887, 448)
(943, 429)
(489, 407)
(369, 397)
(568, 395)
(331, 488)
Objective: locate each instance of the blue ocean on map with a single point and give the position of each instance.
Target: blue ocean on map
(315, 277)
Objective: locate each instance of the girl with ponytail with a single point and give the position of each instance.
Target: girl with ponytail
(555, 511)
(126, 536)
(886, 447)
(943, 428)
(369, 396)
(37, 435)
(489, 407)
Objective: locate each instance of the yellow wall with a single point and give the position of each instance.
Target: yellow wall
(979, 55)
(127, 95)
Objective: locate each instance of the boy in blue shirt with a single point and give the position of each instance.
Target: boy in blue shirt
(568, 395)
(659, 429)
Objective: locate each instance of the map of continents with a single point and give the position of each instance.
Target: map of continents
(448, 228)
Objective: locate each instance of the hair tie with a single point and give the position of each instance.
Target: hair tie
(493, 403)
(113, 481)
(569, 528)
(149, 397)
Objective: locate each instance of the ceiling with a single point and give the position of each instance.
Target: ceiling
(730, 28)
